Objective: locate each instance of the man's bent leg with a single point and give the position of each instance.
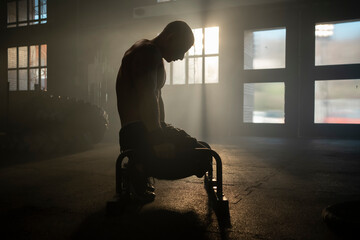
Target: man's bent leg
(187, 162)
(133, 137)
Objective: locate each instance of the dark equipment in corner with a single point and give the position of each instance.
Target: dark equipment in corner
(39, 122)
(217, 201)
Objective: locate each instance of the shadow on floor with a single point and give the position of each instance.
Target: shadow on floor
(147, 224)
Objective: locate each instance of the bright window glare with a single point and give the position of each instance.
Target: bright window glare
(197, 48)
(167, 72)
(195, 70)
(337, 43)
(179, 72)
(212, 40)
(264, 102)
(212, 69)
(200, 65)
(337, 101)
(264, 49)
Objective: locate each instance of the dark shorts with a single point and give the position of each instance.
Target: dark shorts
(187, 161)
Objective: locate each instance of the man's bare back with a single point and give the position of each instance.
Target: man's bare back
(138, 85)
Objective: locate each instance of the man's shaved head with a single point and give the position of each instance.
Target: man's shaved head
(181, 30)
(174, 41)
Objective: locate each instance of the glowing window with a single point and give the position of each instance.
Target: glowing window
(26, 12)
(195, 70)
(178, 72)
(337, 101)
(264, 102)
(264, 49)
(167, 72)
(27, 68)
(337, 43)
(201, 63)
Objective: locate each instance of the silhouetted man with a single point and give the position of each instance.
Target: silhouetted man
(162, 151)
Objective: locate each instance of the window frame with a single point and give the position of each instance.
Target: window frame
(311, 73)
(272, 18)
(187, 57)
(331, 72)
(28, 22)
(265, 75)
(28, 68)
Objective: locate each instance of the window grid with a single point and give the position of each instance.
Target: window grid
(336, 76)
(273, 111)
(34, 15)
(41, 69)
(187, 57)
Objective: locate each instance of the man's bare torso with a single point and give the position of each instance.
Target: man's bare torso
(128, 95)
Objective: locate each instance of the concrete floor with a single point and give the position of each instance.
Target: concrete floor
(277, 189)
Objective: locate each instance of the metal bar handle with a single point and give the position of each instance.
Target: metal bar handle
(122, 156)
(218, 170)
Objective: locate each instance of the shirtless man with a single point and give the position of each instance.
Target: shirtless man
(164, 151)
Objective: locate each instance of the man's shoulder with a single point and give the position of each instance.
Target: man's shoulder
(146, 48)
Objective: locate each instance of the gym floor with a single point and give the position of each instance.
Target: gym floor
(277, 189)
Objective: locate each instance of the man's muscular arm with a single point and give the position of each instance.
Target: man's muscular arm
(161, 108)
(144, 72)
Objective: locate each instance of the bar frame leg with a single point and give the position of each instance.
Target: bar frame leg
(214, 188)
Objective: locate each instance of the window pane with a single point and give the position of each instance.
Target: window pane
(197, 48)
(43, 55)
(23, 57)
(34, 10)
(34, 78)
(34, 56)
(12, 62)
(43, 9)
(264, 49)
(212, 69)
(23, 10)
(195, 70)
(23, 79)
(12, 76)
(11, 12)
(337, 101)
(179, 72)
(43, 79)
(337, 43)
(167, 72)
(264, 102)
(212, 40)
